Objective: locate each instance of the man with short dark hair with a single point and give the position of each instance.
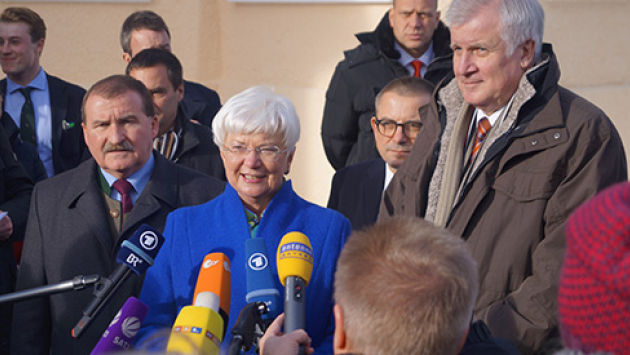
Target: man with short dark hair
(79, 219)
(146, 29)
(410, 40)
(179, 140)
(45, 108)
(357, 189)
(504, 156)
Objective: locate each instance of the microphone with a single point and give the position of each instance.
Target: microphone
(295, 265)
(202, 325)
(136, 255)
(260, 284)
(123, 328)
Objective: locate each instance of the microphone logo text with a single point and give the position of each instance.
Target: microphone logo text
(133, 260)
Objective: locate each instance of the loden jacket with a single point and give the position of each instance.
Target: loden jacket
(553, 151)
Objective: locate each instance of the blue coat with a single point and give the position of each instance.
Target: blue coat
(220, 226)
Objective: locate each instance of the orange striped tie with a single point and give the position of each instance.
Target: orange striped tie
(483, 126)
(416, 64)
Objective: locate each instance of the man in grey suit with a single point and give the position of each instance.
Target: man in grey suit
(78, 219)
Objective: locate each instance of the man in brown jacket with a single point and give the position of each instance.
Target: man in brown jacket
(507, 188)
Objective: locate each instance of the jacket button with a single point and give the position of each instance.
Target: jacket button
(556, 136)
(534, 142)
(114, 213)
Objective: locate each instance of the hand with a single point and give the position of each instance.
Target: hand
(6, 228)
(274, 342)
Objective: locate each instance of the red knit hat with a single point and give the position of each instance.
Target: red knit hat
(594, 293)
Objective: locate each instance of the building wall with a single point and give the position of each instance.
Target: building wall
(295, 47)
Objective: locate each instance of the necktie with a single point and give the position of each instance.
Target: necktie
(416, 64)
(124, 188)
(483, 126)
(27, 118)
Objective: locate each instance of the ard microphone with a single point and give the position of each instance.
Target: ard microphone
(123, 328)
(295, 265)
(136, 255)
(260, 282)
(201, 327)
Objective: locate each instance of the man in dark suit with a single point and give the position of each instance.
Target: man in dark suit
(357, 189)
(179, 140)
(47, 109)
(146, 29)
(79, 219)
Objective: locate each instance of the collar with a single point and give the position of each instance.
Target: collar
(138, 179)
(406, 58)
(389, 175)
(39, 83)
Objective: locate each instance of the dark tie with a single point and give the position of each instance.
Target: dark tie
(483, 126)
(124, 188)
(27, 119)
(416, 64)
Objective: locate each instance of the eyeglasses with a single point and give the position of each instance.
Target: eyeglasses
(388, 128)
(267, 153)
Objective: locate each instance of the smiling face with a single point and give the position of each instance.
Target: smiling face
(20, 56)
(256, 180)
(165, 97)
(118, 133)
(486, 74)
(400, 109)
(413, 23)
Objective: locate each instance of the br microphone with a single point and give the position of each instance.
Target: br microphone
(295, 265)
(260, 284)
(136, 255)
(201, 327)
(123, 328)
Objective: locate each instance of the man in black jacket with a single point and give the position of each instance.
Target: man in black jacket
(146, 29)
(409, 40)
(179, 139)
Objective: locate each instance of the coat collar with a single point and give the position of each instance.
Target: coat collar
(84, 194)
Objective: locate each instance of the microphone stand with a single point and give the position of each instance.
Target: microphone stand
(77, 283)
(249, 328)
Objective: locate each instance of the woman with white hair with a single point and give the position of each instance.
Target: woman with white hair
(256, 131)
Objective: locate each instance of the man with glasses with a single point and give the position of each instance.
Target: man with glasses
(357, 189)
(410, 40)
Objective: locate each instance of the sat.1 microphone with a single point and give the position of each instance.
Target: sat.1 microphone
(201, 327)
(295, 265)
(260, 281)
(123, 328)
(136, 255)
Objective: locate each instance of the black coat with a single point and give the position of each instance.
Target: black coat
(15, 196)
(200, 103)
(197, 150)
(346, 131)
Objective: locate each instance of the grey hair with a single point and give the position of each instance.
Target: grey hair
(257, 110)
(521, 19)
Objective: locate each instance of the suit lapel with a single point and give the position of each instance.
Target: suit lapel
(86, 197)
(58, 107)
(371, 191)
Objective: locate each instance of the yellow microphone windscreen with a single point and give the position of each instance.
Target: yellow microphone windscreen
(294, 257)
